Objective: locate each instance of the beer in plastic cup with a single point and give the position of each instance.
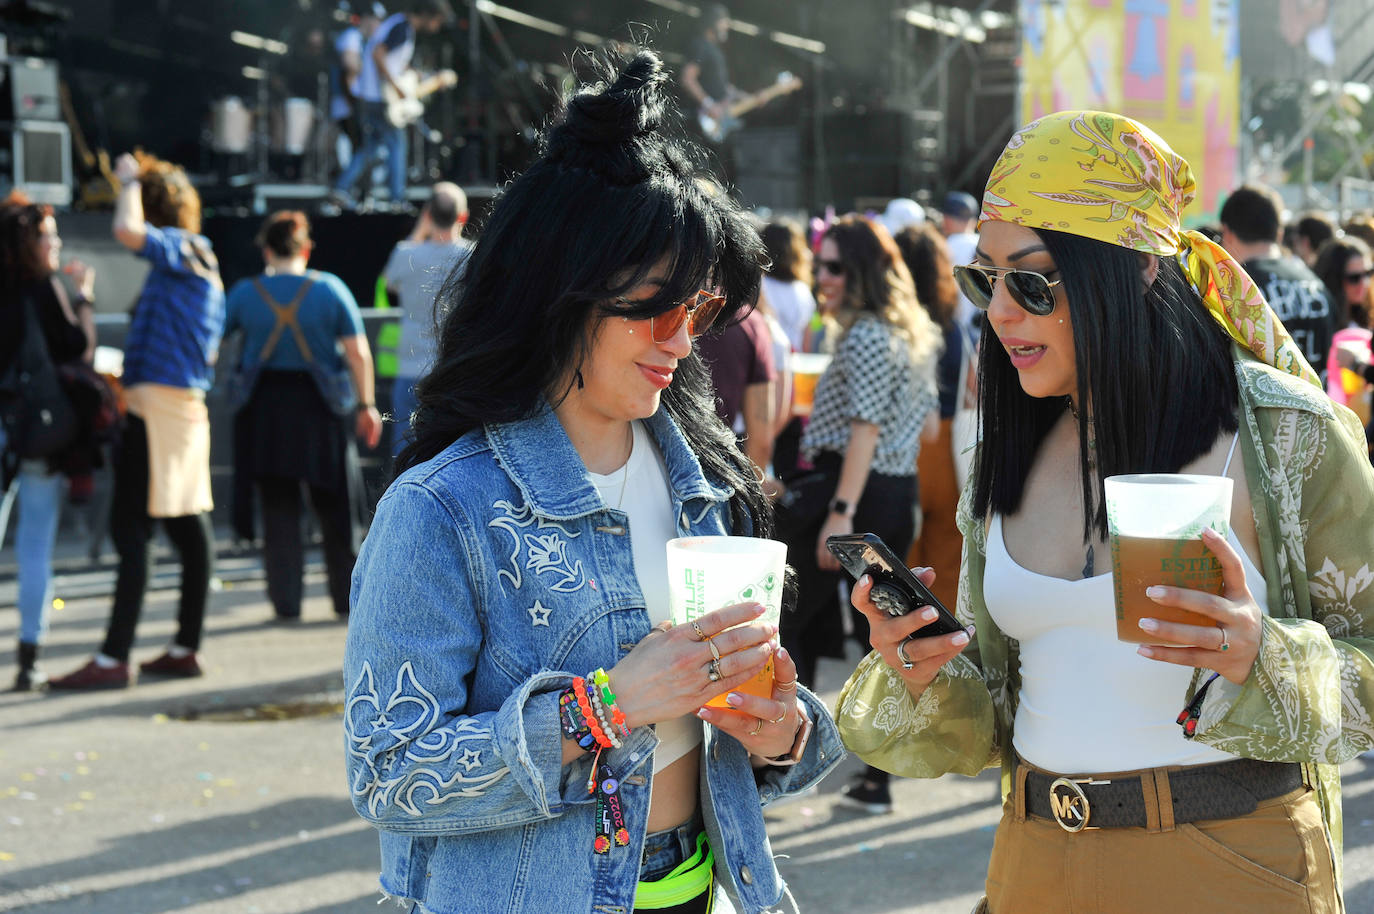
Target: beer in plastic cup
(807, 368)
(706, 573)
(1155, 522)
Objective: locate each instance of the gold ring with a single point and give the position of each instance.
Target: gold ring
(781, 717)
(788, 686)
(715, 654)
(713, 671)
(757, 728)
(701, 635)
(1225, 645)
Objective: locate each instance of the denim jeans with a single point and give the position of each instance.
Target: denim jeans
(378, 134)
(39, 496)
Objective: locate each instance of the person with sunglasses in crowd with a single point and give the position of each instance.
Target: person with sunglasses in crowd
(524, 725)
(862, 439)
(1201, 771)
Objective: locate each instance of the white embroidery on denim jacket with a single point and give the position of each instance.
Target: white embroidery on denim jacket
(548, 552)
(368, 725)
(539, 614)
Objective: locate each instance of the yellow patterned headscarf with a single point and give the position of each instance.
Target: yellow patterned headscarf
(1107, 177)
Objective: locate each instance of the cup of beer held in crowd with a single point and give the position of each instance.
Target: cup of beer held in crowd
(807, 368)
(1155, 522)
(707, 573)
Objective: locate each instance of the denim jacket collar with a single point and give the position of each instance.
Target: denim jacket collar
(537, 453)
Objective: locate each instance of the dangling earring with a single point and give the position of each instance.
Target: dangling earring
(580, 383)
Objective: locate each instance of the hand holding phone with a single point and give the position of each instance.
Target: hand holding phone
(896, 590)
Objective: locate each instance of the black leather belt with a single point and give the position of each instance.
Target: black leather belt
(1224, 790)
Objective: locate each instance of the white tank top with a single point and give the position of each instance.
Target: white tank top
(1089, 704)
(640, 489)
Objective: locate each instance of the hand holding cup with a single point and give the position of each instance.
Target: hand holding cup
(1231, 646)
(669, 673)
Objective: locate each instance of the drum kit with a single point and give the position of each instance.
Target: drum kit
(241, 135)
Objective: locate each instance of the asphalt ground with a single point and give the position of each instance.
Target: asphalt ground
(227, 793)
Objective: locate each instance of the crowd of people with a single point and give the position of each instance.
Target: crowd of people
(956, 378)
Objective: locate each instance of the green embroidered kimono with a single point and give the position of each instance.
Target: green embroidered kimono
(1310, 696)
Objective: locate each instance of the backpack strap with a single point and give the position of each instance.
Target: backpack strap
(286, 318)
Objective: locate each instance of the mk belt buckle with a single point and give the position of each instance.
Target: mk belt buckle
(1069, 803)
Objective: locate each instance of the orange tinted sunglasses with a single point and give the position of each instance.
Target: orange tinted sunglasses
(698, 312)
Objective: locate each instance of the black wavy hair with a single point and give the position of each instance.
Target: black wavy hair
(611, 197)
(1155, 365)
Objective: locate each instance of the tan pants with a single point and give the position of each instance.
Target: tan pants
(1275, 860)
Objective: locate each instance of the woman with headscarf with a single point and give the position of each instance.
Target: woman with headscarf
(1123, 344)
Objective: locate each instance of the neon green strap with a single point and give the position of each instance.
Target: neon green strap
(687, 880)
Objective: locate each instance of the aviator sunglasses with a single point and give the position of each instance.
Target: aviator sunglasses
(698, 312)
(1030, 290)
(1360, 276)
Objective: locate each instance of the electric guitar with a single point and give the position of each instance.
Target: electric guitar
(405, 108)
(717, 129)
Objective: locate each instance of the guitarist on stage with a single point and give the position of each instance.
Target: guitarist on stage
(706, 75)
(386, 58)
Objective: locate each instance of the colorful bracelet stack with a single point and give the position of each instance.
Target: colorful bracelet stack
(590, 717)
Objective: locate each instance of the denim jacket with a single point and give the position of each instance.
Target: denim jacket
(493, 573)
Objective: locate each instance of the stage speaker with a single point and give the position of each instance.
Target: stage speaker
(881, 154)
(768, 167)
(30, 90)
(36, 157)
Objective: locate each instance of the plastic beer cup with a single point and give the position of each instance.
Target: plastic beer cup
(1155, 523)
(706, 573)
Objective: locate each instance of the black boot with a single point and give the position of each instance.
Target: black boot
(30, 677)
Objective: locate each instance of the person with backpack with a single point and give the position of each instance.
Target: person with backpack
(306, 390)
(41, 327)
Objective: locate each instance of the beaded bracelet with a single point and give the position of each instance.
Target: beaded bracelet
(602, 719)
(584, 704)
(609, 700)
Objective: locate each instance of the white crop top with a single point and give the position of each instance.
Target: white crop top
(1089, 704)
(640, 489)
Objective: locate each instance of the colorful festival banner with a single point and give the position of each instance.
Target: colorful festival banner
(1172, 64)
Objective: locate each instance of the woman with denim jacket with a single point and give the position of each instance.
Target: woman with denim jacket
(564, 433)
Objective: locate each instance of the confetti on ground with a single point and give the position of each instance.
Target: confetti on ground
(203, 747)
(207, 793)
(865, 848)
(157, 818)
(303, 835)
(79, 756)
(224, 782)
(807, 811)
(27, 776)
(92, 756)
(160, 718)
(86, 795)
(83, 770)
(205, 776)
(6, 856)
(243, 881)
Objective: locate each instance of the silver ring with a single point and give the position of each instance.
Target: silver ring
(701, 635)
(757, 728)
(1225, 645)
(713, 671)
(715, 654)
(907, 662)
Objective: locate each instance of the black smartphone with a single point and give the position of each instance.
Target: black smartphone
(896, 590)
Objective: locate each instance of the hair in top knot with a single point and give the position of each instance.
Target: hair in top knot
(612, 126)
